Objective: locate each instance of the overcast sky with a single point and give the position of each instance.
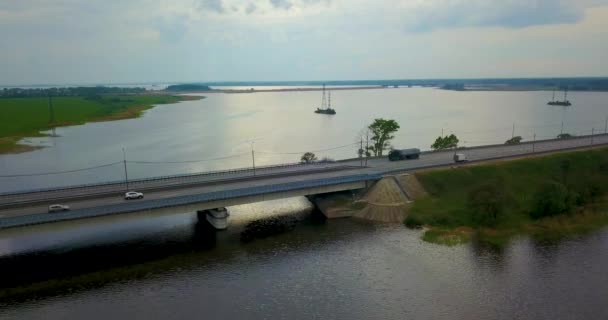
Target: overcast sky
(116, 41)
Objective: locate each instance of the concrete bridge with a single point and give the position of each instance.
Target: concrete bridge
(189, 193)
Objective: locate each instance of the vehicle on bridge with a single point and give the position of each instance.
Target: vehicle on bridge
(58, 208)
(133, 195)
(460, 157)
(403, 154)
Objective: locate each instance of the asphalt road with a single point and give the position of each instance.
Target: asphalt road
(376, 165)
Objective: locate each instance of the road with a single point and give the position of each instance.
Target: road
(198, 184)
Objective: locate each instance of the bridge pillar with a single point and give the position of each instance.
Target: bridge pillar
(217, 218)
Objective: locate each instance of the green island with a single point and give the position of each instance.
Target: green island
(547, 197)
(27, 116)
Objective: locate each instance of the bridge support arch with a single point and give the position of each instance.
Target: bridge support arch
(216, 218)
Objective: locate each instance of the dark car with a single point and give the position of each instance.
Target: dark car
(403, 154)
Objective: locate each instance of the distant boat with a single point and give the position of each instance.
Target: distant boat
(326, 104)
(564, 103)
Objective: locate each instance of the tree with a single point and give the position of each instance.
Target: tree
(308, 157)
(551, 199)
(447, 142)
(381, 134)
(487, 203)
(514, 140)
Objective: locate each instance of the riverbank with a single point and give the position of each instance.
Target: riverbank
(547, 197)
(29, 117)
(508, 88)
(293, 89)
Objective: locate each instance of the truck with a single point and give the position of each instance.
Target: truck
(460, 157)
(403, 154)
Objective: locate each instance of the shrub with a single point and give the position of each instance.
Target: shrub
(413, 222)
(514, 140)
(553, 198)
(488, 203)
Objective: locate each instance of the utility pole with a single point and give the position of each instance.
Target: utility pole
(366, 146)
(606, 126)
(253, 157)
(124, 161)
(592, 133)
(361, 151)
(562, 130)
(51, 109)
(533, 142)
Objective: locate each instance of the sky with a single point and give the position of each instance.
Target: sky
(116, 41)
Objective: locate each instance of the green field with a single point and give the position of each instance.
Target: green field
(26, 117)
(547, 197)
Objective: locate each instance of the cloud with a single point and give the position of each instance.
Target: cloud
(172, 29)
(436, 14)
(213, 5)
(196, 40)
(251, 7)
(281, 4)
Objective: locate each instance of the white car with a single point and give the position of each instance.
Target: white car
(58, 208)
(133, 195)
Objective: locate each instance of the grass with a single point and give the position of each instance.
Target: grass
(446, 209)
(27, 117)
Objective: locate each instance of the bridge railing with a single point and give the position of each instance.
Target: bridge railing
(15, 221)
(170, 177)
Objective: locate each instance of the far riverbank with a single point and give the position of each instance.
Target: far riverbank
(30, 116)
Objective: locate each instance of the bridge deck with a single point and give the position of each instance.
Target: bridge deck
(95, 204)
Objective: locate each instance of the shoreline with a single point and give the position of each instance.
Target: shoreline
(9, 144)
(437, 87)
(295, 89)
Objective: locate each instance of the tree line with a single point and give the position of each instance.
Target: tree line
(67, 91)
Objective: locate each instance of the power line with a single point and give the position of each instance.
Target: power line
(59, 172)
(187, 161)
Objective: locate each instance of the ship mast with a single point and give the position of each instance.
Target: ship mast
(323, 100)
(566, 94)
(328, 99)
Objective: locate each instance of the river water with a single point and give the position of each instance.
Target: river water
(216, 133)
(338, 269)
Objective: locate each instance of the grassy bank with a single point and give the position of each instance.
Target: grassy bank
(547, 197)
(27, 117)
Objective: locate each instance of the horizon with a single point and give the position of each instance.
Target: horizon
(296, 82)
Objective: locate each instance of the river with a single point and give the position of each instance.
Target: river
(216, 133)
(338, 269)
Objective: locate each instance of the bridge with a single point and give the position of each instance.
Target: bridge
(189, 193)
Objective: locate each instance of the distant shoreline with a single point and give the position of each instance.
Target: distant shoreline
(303, 89)
(89, 109)
(519, 89)
(295, 89)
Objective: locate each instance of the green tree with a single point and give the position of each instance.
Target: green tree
(308, 157)
(488, 202)
(514, 140)
(553, 198)
(381, 134)
(447, 142)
